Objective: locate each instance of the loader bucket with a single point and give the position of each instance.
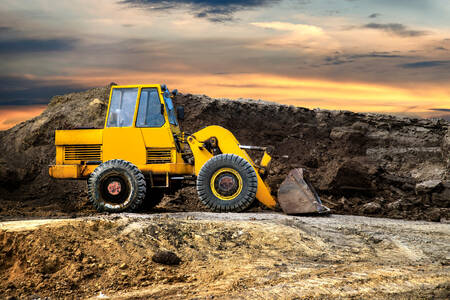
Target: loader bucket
(297, 196)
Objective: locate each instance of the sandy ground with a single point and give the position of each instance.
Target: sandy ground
(224, 256)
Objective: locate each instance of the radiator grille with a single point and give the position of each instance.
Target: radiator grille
(158, 156)
(82, 152)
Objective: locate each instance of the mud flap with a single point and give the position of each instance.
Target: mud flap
(297, 196)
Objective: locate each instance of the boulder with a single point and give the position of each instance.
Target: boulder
(371, 208)
(427, 186)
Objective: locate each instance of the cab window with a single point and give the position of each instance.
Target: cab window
(121, 108)
(149, 113)
(170, 109)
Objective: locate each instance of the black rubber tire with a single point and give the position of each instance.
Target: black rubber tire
(249, 183)
(132, 179)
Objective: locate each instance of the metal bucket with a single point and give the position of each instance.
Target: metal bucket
(297, 196)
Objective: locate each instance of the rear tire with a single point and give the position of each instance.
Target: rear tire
(226, 183)
(116, 186)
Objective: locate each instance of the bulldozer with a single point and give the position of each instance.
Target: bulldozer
(141, 153)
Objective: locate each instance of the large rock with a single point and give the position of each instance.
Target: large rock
(427, 186)
(371, 208)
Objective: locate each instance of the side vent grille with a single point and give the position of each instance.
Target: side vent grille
(83, 152)
(158, 156)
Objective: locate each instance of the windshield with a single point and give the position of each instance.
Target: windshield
(121, 108)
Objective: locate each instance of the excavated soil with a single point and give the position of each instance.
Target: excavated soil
(224, 256)
(361, 164)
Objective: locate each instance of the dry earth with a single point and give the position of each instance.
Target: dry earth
(224, 256)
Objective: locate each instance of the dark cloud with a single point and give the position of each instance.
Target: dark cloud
(376, 55)
(36, 45)
(339, 59)
(213, 10)
(374, 15)
(396, 28)
(440, 109)
(16, 90)
(5, 29)
(426, 64)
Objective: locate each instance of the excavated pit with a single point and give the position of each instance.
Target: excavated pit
(361, 164)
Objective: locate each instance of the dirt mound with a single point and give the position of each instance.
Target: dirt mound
(365, 164)
(224, 256)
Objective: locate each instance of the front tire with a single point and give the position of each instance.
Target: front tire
(116, 186)
(227, 182)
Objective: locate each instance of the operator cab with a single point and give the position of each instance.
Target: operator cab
(155, 107)
(142, 127)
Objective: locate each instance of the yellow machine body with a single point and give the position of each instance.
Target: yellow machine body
(156, 151)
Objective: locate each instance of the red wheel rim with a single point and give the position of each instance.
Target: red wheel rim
(114, 188)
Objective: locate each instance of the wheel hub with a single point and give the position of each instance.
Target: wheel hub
(226, 184)
(114, 188)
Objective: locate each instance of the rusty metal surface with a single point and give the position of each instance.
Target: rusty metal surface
(297, 196)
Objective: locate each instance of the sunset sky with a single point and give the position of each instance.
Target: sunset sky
(361, 55)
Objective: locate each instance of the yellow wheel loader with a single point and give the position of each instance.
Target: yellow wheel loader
(141, 153)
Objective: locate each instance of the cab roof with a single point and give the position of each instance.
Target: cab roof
(160, 86)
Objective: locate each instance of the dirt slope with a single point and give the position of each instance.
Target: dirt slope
(225, 256)
(364, 164)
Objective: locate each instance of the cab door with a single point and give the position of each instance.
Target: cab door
(121, 139)
(152, 120)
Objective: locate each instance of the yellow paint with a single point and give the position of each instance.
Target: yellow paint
(64, 171)
(124, 143)
(265, 160)
(201, 155)
(175, 169)
(158, 137)
(213, 188)
(79, 136)
(59, 156)
(70, 171)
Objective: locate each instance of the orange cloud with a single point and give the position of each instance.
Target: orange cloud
(12, 115)
(307, 92)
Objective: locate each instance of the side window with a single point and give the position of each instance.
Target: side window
(170, 109)
(149, 113)
(121, 109)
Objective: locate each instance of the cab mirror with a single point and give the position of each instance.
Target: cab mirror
(180, 113)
